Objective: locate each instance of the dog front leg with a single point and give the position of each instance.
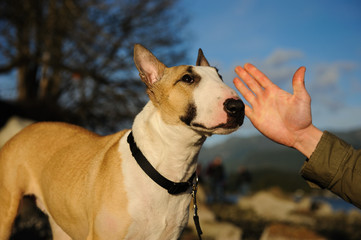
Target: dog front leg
(9, 204)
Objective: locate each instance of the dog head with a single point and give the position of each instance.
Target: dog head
(195, 96)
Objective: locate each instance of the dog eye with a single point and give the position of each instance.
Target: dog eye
(187, 78)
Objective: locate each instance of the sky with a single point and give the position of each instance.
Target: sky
(279, 36)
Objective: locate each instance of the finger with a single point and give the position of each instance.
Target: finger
(248, 80)
(298, 82)
(246, 93)
(248, 111)
(261, 78)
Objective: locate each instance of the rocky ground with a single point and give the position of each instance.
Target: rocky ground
(273, 215)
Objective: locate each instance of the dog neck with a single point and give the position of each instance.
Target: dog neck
(171, 149)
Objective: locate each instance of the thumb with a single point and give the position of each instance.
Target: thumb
(298, 82)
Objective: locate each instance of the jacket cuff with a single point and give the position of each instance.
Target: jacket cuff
(321, 168)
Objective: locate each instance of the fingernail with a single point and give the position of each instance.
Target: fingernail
(238, 69)
(247, 65)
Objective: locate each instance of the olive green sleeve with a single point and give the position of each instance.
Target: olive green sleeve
(335, 165)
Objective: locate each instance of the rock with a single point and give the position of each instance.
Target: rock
(304, 204)
(354, 216)
(324, 209)
(317, 208)
(211, 228)
(286, 232)
(269, 206)
(221, 231)
(274, 206)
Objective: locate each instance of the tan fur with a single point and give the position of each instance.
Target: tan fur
(161, 85)
(174, 98)
(67, 154)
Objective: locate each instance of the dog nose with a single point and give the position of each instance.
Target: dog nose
(234, 107)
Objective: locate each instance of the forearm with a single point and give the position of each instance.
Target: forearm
(307, 140)
(335, 165)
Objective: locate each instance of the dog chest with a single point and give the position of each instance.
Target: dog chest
(164, 219)
(155, 213)
(110, 225)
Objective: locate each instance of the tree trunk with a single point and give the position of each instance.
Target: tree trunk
(27, 82)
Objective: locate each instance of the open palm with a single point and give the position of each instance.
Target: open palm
(277, 114)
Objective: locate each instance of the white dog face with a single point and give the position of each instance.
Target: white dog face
(192, 95)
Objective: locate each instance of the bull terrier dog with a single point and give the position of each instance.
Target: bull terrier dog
(134, 184)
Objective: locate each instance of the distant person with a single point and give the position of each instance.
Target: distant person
(286, 119)
(215, 172)
(243, 179)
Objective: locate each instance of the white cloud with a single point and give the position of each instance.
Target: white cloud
(329, 74)
(334, 85)
(281, 56)
(279, 65)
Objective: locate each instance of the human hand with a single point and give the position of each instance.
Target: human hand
(283, 117)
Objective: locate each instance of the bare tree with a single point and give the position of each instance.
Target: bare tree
(74, 57)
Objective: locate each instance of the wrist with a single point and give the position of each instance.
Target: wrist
(307, 140)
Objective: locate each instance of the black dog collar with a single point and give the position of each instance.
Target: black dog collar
(172, 187)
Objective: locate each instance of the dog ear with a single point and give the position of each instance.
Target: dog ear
(149, 67)
(201, 59)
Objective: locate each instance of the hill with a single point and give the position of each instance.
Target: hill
(259, 152)
(269, 163)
